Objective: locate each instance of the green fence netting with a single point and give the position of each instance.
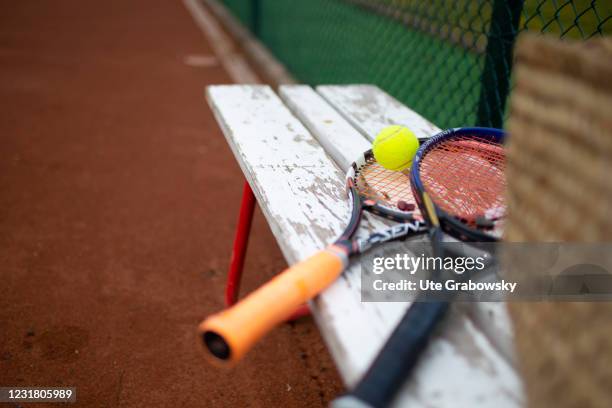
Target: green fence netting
(449, 60)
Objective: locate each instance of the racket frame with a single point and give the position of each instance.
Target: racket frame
(370, 204)
(450, 224)
(402, 350)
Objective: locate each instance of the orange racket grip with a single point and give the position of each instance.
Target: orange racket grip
(228, 335)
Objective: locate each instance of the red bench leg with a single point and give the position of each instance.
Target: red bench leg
(241, 240)
(240, 245)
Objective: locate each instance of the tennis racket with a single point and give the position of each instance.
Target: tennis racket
(228, 335)
(458, 180)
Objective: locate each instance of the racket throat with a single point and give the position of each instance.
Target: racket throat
(396, 232)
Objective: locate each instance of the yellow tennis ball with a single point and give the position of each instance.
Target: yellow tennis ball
(394, 147)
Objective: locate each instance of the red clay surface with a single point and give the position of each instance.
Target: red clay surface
(118, 201)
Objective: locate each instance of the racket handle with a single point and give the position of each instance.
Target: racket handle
(397, 359)
(228, 335)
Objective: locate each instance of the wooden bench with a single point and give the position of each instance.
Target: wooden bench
(294, 148)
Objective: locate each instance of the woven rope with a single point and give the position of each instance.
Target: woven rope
(560, 189)
(560, 149)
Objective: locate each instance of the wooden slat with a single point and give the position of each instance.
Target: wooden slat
(339, 138)
(494, 320)
(299, 189)
(370, 109)
(480, 376)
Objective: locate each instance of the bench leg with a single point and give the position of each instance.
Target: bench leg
(240, 245)
(241, 240)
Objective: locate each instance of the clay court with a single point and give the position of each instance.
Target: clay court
(120, 195)
(118, 203)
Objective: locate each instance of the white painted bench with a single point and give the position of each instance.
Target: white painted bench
(294, 149)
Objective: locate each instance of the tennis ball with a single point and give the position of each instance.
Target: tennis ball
(394, 147)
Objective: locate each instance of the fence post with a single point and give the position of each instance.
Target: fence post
(495, 82)
(255, 17)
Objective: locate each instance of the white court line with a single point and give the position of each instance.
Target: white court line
(234, 63)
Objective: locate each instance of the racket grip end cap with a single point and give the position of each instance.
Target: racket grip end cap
(217, 345)
(229, 335)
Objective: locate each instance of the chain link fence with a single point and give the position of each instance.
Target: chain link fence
(449, 60)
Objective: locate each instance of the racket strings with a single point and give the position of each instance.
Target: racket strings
(386, 187)
(465, 177)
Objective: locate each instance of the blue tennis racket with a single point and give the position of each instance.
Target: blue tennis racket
(457, 179)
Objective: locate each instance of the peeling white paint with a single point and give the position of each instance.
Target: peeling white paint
(369, 110)
(301, 192)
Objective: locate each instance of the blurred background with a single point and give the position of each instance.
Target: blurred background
(449, 60)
